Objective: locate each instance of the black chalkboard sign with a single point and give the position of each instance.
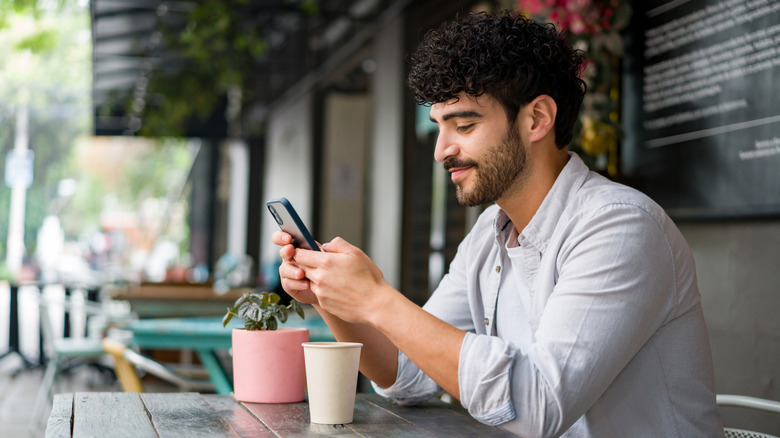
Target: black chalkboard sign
(701, 108)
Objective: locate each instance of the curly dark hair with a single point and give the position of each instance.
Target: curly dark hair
(508, 56)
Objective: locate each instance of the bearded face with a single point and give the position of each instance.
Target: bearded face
(499, 167)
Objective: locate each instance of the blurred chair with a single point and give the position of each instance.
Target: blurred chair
(126, 361)
(747, 402)
(60, 353)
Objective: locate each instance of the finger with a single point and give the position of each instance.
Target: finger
(287, 252)
(308, 258)
(293, 286)
(281, 238)
(287, 270)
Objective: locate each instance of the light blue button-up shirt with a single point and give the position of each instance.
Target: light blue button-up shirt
(586, 324)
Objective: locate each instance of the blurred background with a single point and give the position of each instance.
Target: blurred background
(141, 139)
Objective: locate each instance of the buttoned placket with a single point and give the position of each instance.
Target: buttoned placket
(490, 300)
(531, 259)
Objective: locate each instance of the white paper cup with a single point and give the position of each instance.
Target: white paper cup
(331, 377)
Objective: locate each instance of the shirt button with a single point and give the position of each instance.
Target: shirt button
(487, 321)
(498, 269)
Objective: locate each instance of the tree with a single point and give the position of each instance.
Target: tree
(45, 68)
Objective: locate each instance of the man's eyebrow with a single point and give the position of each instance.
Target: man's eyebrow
(459, 114)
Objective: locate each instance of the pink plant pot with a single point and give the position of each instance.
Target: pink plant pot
(268, 365)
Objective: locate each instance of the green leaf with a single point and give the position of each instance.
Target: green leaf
(270, 298)
(228, 316)
(240, 300)
(282, 314)
(255, 313)
(296, 306)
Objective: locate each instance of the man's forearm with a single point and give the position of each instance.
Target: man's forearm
(432, 344)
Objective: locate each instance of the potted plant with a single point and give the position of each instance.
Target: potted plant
(267, 359)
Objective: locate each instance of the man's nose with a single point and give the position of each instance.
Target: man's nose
(445, 147)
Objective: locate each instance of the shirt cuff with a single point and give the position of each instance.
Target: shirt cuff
(411, 384)
(500, 415)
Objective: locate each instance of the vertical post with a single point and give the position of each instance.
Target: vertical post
(238, 202)
(15, 246)
(66, 316)
(13, 319)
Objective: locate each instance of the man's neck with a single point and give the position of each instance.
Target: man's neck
(522, 203)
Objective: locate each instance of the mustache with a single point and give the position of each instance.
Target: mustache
(453, 163)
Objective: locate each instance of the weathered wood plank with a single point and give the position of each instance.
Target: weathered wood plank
(438, 418)
(292, 419)
(371, 420)
(61, 417)
(244, 423)
(114, 414)
(185, 414)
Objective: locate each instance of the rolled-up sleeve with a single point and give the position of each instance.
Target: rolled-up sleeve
(411, 384)
(485, 373)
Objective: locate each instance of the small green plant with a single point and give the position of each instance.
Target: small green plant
(261, 311)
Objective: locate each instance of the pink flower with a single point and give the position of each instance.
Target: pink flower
(576, 24)
(577, 5)
(533, 7)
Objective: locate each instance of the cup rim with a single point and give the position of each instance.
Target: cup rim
(331, 344)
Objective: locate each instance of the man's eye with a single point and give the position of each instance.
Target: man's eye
(464, 128)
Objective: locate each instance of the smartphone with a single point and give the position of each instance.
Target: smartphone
(285, 215)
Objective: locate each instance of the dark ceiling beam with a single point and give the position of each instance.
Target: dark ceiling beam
(119, 6)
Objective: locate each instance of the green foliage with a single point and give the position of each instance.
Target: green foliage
(45, 68)
(150, 170)
(156, 171)
(83, 211)
(310, 7)
(261, 311)
(220, 50)
(42, 42)
(44, 39)
(181, 98)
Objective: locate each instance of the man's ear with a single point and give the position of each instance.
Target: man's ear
(542, 111)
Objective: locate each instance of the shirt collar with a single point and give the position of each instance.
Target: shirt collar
(539, 231)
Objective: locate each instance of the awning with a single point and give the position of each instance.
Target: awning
(137, 42)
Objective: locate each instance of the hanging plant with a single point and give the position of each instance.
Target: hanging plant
(218, 48)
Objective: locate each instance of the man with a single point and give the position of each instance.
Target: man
(571, 308)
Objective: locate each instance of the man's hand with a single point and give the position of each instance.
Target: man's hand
(344, 280)
(379, 359)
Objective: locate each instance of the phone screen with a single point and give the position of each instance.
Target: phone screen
(288, 220)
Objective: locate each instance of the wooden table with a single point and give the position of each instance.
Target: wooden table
(95, 414)
(157, 300)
